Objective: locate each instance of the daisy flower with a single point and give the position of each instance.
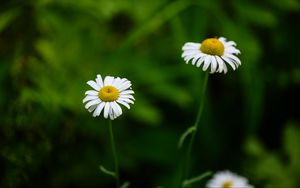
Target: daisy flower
(213, 52)
(106, 96)
(227, 179)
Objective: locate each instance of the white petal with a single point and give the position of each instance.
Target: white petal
(127, 92)
(92, 108)
(91, 103)
(123, 82)
(92, 92)
(94, 85)
(98, 109)
(127, 96)
(111, 114)
(225, 67)
(117, 81)
(188, 58)
(190, 52)
(190, 45)
(236, 59)
(196, 58)
(222, 39)
(206, 62)
(123, 103)
(124, 86)
(116, 108)
(119, 108)
(106, 109)
(200, 61)
(99, 80)
(230, 43)
(229, 61)
(108, 80)
(232, 50)
(213, 66)
(89, 97)
(125, 100)
(220, 63)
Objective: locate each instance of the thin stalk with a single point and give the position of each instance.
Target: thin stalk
(113, 147)
(186, 166)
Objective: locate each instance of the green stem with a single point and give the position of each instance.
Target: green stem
(113, 147)
(186, 167)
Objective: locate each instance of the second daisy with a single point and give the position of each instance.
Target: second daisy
(213, 52)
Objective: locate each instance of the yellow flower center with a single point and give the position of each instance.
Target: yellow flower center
(212, 46)
(108, 93)
(227, 184)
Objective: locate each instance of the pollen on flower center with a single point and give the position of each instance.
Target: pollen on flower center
(212, 46)
(108, 93)
(227, 184)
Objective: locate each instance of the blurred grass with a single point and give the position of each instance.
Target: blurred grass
(50, 48)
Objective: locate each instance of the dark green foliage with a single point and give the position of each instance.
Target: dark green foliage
(280, 168)
(50, 48)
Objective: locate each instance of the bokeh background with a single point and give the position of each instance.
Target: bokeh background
(49, 49)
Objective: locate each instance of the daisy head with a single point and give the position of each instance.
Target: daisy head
(227, 179)
(107, 95)
(212, 52)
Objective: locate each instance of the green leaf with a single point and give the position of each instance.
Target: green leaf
(125, 184)
(7, 17)
(185, 134)
(188, 182)
(108, 172)
(254, 148)
(291, 143)
(160, 18)
(257, 15)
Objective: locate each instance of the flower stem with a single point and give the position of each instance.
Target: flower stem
(186, 166)
(113, 147)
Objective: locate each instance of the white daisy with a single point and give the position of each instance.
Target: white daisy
(227, 179)
(107, 94)
(213, 52)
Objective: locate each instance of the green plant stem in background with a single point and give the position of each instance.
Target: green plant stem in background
(187, 183)
(186, 166)
(113, 147)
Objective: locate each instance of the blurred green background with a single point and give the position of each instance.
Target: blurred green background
(50, 48)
